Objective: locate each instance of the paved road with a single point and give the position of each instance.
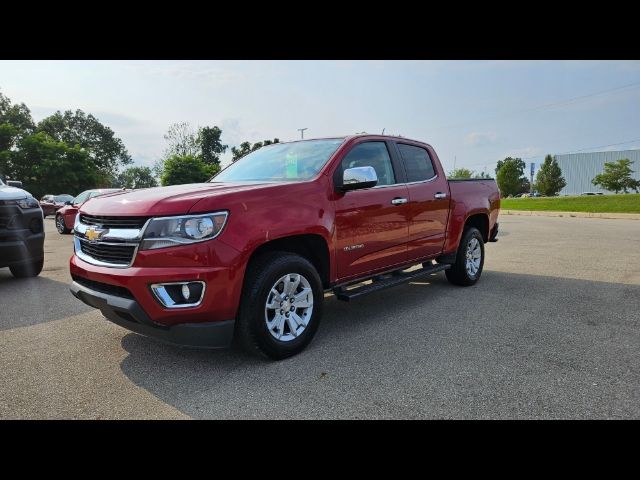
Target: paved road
(551, 331)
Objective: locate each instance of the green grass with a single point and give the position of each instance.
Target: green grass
(627, 203)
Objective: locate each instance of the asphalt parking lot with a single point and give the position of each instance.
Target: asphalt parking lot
(552, 330)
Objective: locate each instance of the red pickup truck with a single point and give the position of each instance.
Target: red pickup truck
(250, 254)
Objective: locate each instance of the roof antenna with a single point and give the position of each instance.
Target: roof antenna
(383, 131)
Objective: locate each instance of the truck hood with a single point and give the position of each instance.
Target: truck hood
(12, 193)
(148, 202)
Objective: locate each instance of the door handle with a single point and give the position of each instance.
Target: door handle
(399, 201)
(440, 195)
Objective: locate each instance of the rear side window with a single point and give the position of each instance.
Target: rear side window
(417, 163)
(371, 154)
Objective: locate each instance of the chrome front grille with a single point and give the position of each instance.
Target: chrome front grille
(114, 253)
(108, 241)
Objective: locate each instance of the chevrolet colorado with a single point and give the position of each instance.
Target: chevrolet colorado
(250, 254)
(21, 232)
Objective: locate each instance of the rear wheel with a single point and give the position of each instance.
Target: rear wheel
(281, 305)
(24, 270)
(469, 259)
(60, 226)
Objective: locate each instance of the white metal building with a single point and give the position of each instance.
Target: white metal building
(578, 169)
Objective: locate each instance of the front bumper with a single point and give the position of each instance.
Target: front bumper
(22, 238)
(128, 313)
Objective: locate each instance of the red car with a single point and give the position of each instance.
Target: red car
(252, 252)
(50, 204)
(66, 216)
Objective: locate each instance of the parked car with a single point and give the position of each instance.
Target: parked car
(66, 216)
(50, 204)
(252, 252)
(592, 193)
(21, 232)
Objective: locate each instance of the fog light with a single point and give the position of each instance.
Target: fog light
(179, 294)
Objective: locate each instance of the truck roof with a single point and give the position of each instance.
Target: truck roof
(357, 135)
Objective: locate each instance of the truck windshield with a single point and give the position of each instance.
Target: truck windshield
(281, 162)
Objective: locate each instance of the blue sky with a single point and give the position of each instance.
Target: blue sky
(475, 112)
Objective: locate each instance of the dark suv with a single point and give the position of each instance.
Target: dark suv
(21, 232)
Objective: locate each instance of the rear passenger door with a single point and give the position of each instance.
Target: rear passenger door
(428, 207)
(371, 224)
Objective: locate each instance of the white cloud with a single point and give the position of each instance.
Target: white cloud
(524, 153)
(478, 139)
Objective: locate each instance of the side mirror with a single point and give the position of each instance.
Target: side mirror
(14, 183)
(68, 202)
(357, 178)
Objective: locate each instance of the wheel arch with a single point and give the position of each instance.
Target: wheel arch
(311, 246)
(479, 221)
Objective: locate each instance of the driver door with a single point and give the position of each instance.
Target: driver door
(372, 227)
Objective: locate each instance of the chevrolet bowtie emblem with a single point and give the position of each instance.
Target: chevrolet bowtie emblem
(92, 234)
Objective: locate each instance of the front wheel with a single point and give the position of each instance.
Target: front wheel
(281, 305)
(469, 259)
(60, 226)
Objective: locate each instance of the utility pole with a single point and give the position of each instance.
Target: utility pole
(301, 130)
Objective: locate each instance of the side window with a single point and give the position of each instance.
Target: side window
(417, 163)
(371, 154)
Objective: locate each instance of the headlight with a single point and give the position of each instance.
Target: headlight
(171, 231)
(28, 202)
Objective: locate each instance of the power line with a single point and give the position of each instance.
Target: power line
(561, 153)
(541, 107)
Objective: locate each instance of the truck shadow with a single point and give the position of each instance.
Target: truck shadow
(511, 346)
(31, 301)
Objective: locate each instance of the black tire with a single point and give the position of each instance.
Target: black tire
(252, 332)
(60, 226)
(25, 270)
(458, 274)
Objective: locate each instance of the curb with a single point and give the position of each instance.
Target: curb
(542, 213)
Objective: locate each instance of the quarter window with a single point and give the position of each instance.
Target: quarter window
(371, 154)
(417, 163)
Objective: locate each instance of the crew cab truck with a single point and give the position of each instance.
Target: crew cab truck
(250, 254)
(21, 232)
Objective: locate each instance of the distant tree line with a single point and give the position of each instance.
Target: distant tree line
(66, 152)
(72, 151)
(511, 178)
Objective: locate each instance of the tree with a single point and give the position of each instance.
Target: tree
(77, 128)
(481, 175)
(182, 141)
(510, 176)
(136, 177)
(210, 145)
(460, 173)
(617, 177)
(246, 147)
(549, 179)
(46, 165)
(186, 169)
(15, 123)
